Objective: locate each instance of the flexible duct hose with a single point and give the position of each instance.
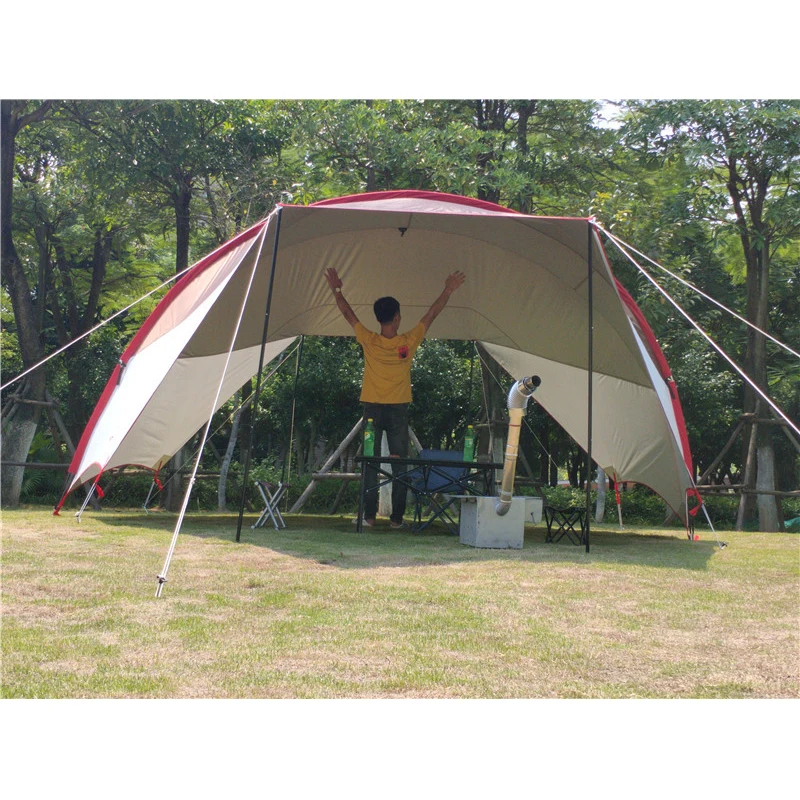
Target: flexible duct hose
(517, 400)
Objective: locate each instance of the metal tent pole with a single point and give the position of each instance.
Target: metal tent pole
(86, 501)
(590, 398)
(258, 378)
(287, 465)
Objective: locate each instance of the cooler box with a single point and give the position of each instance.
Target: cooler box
(481, 526)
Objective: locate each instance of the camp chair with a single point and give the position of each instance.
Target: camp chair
(436, 488)
(272, 495)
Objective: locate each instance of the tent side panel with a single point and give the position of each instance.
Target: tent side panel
(663, 368)
(632, 437)
(164, 426)
(226, 259)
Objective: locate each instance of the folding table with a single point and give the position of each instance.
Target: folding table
(436, 482)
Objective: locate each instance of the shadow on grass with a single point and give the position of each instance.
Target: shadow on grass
(334, 541)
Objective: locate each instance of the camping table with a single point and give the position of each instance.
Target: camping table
(477, 479)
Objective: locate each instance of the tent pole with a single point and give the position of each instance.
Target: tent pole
(287, 465)
(162, 578)
(589, 396)
(258, 378)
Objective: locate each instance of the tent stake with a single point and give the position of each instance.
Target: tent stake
(260, 369)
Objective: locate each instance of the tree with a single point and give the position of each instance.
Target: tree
(72, 226)
(173, 151)
(746, 162)
(19, 427)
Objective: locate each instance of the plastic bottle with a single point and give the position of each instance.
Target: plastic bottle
(369, 439)
(469, 444)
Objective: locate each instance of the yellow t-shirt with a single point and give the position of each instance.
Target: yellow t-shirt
(387, 364)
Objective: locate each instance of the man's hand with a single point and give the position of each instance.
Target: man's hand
(334, 281)
(453, 281)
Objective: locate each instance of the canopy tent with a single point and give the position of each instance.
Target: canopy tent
(526, 299)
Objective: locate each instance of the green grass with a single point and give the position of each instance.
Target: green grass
(320, 611)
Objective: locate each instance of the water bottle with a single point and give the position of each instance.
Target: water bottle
(369, 439)
(469, 444)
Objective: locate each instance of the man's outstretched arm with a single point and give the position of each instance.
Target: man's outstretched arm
(453, 282)
(335, 282)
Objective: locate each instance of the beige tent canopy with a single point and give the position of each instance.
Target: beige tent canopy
(526, 298)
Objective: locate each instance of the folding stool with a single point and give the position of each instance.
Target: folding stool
(272, 496)
(562, 521)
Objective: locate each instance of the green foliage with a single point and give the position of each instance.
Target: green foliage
(445, 401)
(313, 398)
(43, 485)
(11, 360)
(640, 506)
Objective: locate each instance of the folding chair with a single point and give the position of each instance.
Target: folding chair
(436, 488)
(272, 496)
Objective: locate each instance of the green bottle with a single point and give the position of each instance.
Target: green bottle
(369, 439)
(469, 444)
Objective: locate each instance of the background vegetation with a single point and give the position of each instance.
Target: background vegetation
(111, 198)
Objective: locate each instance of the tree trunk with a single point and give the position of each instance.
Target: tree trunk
(20, 419)
(602, 486)
(182, 201)
(246, 419)
(494, 378)
(553, 481)
(175, 489)
(768, 517)
(222, 501)
(299, 452)
(756, 243)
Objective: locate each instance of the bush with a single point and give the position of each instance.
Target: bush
(640, 505)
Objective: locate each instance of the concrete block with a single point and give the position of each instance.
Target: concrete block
(481, 526)
(533, 510)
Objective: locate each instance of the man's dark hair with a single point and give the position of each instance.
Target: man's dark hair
(385, 308)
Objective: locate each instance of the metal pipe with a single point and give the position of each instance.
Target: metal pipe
(257, 390)
(517, 401)
(590, 388)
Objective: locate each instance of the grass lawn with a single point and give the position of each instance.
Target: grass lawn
(320, 611)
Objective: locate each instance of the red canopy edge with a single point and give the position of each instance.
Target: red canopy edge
(663, 368)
